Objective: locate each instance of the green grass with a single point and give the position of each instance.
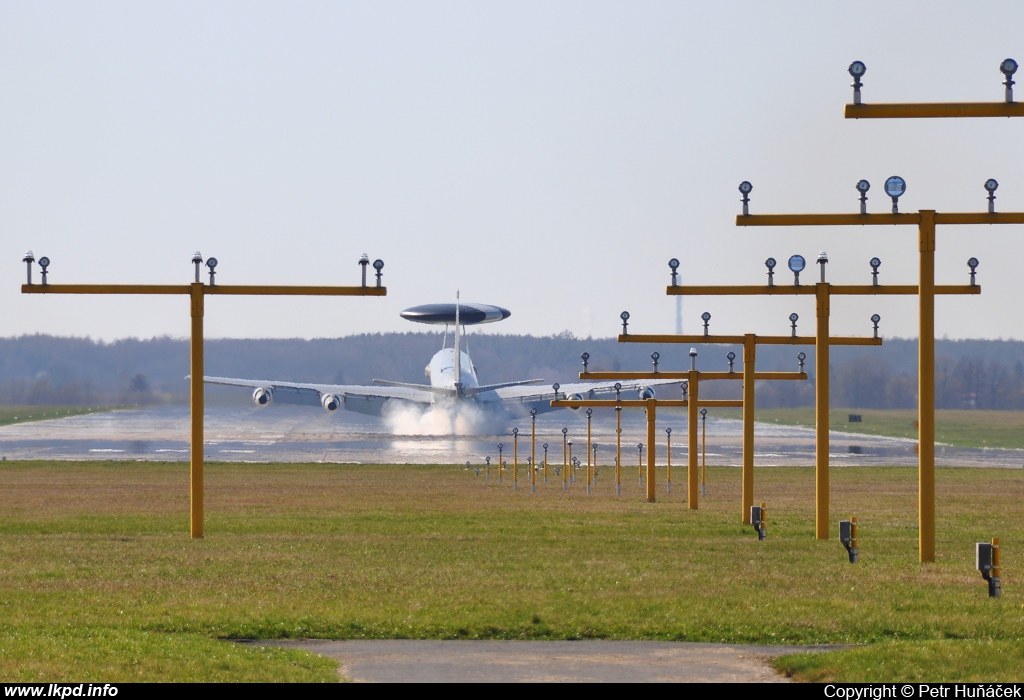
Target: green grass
(959, 428)
(24, 414)
(920, 661)
(101, 581)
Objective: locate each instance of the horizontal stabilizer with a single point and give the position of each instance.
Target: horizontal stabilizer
(492, 387)
(421, 387)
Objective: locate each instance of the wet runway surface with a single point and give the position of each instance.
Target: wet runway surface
(304, 434)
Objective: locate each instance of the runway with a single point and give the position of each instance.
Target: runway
(283, 433)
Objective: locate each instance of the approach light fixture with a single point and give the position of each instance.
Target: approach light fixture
(378, 265)
(556, 386)
(875, 318)
(731, 357)
(693, 359)
(986, 560)
(564, 431)
(800, 358)
(875, 263)
(703, 414)
(673, 265)
(770, 264)
(618, 390)
(515, 432)
(625, 322)
(863, 186)
(745, 189)
(792, 320)
(211, 263)
(586, 358)
(364, 260)
(1008, 67)
(28, 260)
(796, 265)
(822, 261)
(857, 69)
(197, 260)
(706, 318)
(44, 262)
(991, 186)
(654, 358)
(895, 186)
(848, 537)
(973, 264)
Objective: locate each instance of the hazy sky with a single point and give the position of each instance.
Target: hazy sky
(549, 157)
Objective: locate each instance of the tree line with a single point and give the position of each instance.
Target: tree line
(39, 369)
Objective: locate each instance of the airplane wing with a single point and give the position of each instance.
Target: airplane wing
(630, 389)
(361, 399)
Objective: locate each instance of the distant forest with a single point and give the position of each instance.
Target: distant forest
(39, 369)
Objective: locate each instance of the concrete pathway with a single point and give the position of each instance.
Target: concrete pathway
(429, 661)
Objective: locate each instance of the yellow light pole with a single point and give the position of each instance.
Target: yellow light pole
(926, 236)
(934, 110)
(822, 341)
(925, 220)
(749, 376)
(197, 292)
(565, 460)
(533, 450)
(590, 413)
(651, 427)
(703, 452)
(668, 460)
(515, 459)
(618, 450)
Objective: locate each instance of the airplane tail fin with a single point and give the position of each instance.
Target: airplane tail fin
(458, 346)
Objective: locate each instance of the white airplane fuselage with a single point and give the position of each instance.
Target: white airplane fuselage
(441, 370)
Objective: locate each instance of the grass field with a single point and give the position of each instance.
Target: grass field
(960, 428)
(101, 582)
(24, 414)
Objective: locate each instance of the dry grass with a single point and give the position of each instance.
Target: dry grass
(436, 552)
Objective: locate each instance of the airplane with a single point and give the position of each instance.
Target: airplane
(453, 386)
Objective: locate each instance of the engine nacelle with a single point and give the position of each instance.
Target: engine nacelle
(330, 402)
(645, 392)
(576, 397)
(263, 396)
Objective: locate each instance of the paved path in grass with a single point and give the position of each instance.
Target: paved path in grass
(427, 661)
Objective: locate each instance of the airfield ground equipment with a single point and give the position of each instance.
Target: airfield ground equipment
(927, 221)
(848, 537)
(693, 403)
(197, 293)
(759, 519)
(986, 555)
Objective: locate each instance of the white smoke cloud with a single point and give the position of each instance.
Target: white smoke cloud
(454, 419)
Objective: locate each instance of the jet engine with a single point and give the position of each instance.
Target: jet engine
(331, 402)
(645, 392)
(576, 397)
(263, 396)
